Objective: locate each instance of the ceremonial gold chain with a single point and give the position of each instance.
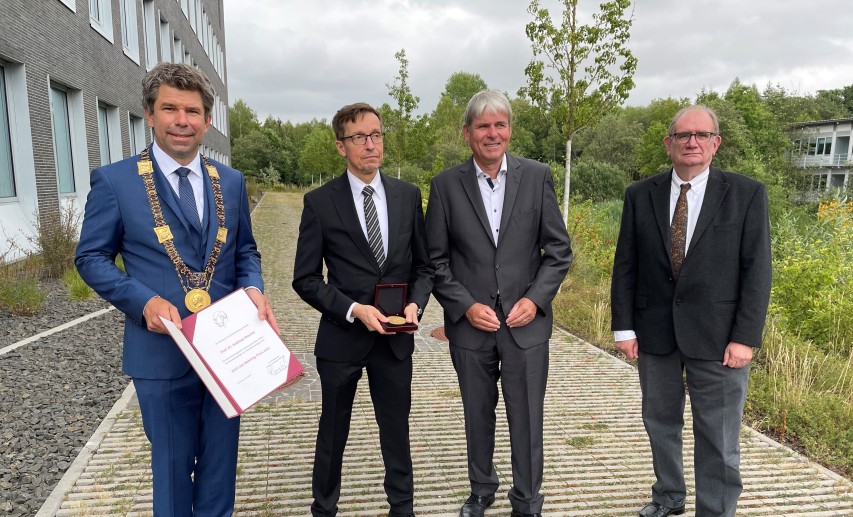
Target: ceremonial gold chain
(191, 282)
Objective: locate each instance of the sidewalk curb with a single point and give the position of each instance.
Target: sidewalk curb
(54, 501)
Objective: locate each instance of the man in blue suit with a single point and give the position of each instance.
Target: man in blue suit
(181, 224)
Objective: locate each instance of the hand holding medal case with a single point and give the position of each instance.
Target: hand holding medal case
(390, 299)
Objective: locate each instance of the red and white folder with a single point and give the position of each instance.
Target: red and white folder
(239, 357)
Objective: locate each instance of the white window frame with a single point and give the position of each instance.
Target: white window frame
(77, 137)
(18, 213)
(70, 4)
(7, 165)
(165, 41)
(111, 134)
(177, 50)
(129, 29)
(149, 27)
(135, 133)
(103, 23)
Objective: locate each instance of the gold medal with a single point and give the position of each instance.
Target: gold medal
(396, 320)
(196, 300)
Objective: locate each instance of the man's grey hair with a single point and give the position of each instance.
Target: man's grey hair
(701, 107)
(487, 101)
(180, 76)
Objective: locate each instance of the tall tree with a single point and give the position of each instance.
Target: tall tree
(318, 155)
(242, 119)
(402, 114)
(591, 68)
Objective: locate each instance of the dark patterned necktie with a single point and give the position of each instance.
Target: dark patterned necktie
(374, 236)
(679, 230)
(188, 207)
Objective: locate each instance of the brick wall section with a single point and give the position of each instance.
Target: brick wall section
(58, 45)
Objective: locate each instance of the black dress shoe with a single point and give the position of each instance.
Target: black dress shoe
(475, 506)
(398, 514)
(518, 514)
(658, 510)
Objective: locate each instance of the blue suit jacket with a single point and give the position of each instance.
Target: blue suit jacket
(118, 220)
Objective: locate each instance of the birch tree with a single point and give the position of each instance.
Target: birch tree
(579, 71)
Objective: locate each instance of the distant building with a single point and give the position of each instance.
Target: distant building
(70, 93)
(825, 149)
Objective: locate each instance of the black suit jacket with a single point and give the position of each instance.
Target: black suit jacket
(330, 232)
(723, 290)
(530, 260)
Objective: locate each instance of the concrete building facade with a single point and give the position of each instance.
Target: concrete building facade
(70, 94)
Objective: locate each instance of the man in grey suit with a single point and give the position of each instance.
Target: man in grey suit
(691, 286)
(500, 251)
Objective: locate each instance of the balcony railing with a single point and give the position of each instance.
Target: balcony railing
(835, 160)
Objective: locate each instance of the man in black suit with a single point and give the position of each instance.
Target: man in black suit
(368, 228)
(691, 286)
(500, 250)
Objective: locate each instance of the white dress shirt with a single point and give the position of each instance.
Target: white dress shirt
(695, 197)
(381, 202)
(169, 167)
(493, 196)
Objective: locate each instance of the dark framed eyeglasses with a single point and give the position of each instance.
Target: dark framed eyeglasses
(702, 137)
(360, 139)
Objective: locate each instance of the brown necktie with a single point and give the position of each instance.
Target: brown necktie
(679, 230)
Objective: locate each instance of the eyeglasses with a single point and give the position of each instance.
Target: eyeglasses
(360, 139)
(702, 137)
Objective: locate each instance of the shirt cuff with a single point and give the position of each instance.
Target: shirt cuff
(349, 313)
(624, 335)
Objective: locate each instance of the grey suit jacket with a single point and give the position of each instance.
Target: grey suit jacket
(723, 290)
(530, 260)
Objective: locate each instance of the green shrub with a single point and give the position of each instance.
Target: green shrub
(597, 181)
(22, 296)
(55, 239)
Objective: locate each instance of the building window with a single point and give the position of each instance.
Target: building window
(101, 18)
(165, 41)
(819, 182)
(177, 51)
(109, 133)
(837, 181)
(149, 20)
(137, 135)
(129, 29)
(61, 118)
(7, 172)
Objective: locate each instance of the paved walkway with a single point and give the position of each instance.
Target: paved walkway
(597, 458)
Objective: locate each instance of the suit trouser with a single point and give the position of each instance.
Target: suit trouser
(523, 373)
(717, 398)
(390, 381)
(193, 447)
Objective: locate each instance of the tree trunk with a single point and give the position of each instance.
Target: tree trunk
(567, 182)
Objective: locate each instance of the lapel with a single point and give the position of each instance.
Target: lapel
(715, 192)
(468, 177)
(394, 204)
(345, 207)
(513, 179)
(660, 203)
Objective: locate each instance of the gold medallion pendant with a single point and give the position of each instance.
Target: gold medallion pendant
(196, 300)
(396, 320)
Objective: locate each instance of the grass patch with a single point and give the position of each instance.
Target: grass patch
(580, 442)
(77, 288)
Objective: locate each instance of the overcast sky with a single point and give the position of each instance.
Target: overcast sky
(303, 59)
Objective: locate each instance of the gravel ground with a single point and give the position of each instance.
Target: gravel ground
(54, 393)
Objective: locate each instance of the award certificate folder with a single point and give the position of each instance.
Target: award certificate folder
(240, 358)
